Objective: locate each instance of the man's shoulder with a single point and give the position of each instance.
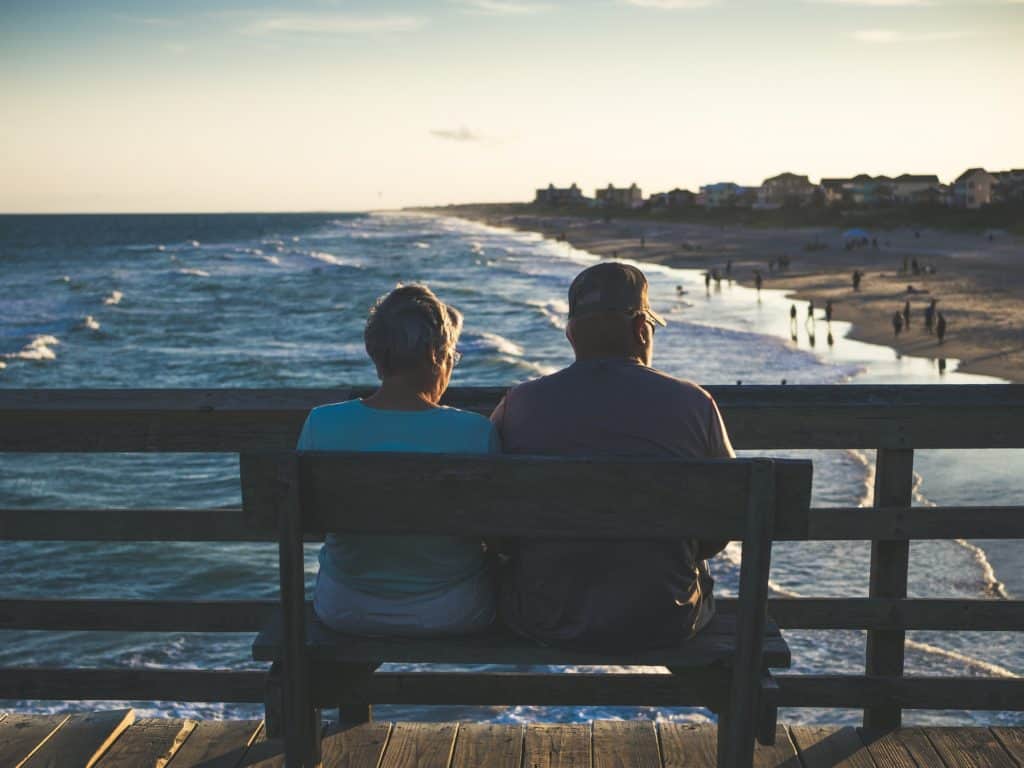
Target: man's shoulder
(672, 385)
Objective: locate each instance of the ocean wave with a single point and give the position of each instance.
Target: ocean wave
(419, 244)
(485, 341)
(88, 323)
(556, 312)
(980, 664)
(193, 272)
(330, 258)
(114, 298)
(40, 348)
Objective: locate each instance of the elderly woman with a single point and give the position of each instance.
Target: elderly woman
(404, 585)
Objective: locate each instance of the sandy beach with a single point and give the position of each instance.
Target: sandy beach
(978, 282)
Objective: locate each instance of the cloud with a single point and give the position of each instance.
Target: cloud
(463, 135)
(310, 23)
(503, 7)
(890, 36)
(670, 5)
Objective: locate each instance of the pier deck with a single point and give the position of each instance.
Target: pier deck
(117, 738)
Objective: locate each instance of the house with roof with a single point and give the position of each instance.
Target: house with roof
(834, 191)
(910, 189)
(552, 195)
(786, 189)
(619, 197)
(1010, 187)
(974, 188)
(675, 198)
(726, 194)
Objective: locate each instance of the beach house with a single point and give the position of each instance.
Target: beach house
(973, 188)
(834, 191)
(619, 197)
(552, 195)
(675, 198)
(726, 194)
(1011, 186)
(910, 189)
(786, 189)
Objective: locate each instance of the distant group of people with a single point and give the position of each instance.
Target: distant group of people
(809, 325)
(573, 593)
(934, 320)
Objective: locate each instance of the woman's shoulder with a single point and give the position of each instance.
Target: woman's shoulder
(333, 411)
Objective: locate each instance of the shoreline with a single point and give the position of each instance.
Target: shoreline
(979, 283)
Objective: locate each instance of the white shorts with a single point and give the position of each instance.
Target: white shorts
(465, 608)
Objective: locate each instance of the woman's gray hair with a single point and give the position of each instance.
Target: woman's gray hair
(409, 327)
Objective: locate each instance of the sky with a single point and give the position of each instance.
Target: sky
(347, 105)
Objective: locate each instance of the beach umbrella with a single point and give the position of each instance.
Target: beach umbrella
(856, 234)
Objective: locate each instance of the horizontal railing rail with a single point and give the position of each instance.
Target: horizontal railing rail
(895, 420)
(235, 421)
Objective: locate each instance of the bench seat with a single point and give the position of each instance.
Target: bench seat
(714, 645)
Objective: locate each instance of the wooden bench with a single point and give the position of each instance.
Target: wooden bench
(725, 667)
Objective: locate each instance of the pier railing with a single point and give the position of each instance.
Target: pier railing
(893, 420)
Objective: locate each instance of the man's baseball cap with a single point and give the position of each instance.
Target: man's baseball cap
(610, 286)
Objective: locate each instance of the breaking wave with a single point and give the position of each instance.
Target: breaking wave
(40, 348)
(114, 298)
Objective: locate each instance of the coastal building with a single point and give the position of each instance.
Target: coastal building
(869, 191)
(1010, 187)
(786, 189)
(910, 189)
(675, 198)
(834, 191)
(552, 195)
(722, 194)
(973, 188)
(619, 197)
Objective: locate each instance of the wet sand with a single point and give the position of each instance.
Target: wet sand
(978, 282)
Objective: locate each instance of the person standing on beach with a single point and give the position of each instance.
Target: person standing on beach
(792, 321)
(828, 311)
(856, 279)
(758, 280)
(940, 328)
(929, 316)
(906, 315)
(610, 402)
(897, 323)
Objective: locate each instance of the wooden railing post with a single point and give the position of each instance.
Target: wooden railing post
(894, 485)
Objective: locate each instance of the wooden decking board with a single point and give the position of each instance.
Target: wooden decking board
(1012, 740)
(420, 745)
(557, 746)
(82, 740)
(830, 747)
(485, 744)
(216, 744)
(147, 742)
(887, 749)
(695, 746)
(359, 746)
(626, 744)
(916, 742)
(970, 748)
(20, 735)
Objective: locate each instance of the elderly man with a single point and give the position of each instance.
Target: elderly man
(610, 402)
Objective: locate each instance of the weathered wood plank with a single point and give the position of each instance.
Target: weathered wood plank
(420, 745)
(263, 752)
(969, 748)
(894, 485)
(509, 495)
(359, 746)
(498, 646)
(993, 694)
(137, 615)
(227, 524)
(830, 747)
(886, 749)
(895, 613)
(485, 744)
(216, 744)
(149, 741)
(1012, 740)
(917, 745)
(21, 735)
(829, 416)
(557, 746)
(61, 684)
(626, 744)
(82, 739)
(694, 746)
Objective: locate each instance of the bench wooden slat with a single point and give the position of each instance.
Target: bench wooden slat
(539, 497)
(716, 643)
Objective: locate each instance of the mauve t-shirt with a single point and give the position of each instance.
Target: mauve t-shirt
(595, 593)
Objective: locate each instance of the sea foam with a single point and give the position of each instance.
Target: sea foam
(114, 298)
(40, 348)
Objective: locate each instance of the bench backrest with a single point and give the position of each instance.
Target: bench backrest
(527, 496)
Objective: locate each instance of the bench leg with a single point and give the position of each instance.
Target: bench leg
(768, 710)
(724, 738)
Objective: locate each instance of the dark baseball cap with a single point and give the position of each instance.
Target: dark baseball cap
(610, 286)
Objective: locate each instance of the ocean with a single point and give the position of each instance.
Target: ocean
(279, 300)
